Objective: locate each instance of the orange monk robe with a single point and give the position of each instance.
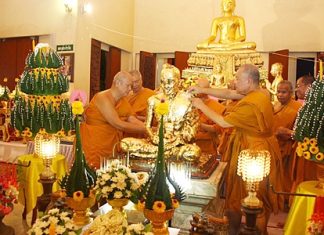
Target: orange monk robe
(285, 117)
(97, 135)
(208, 141)
(252, 118)
(138, 101)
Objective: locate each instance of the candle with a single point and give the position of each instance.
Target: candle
(33, 42)
(320, 69)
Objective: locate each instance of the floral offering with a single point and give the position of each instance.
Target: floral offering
(8, 195)
(116, 182)
(316, 224)
(137, 229)
(54, 223)
(310, 150)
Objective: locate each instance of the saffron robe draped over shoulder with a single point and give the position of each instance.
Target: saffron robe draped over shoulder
(285, 117)
(252, 118)
(208, 141)
(97, 135)
(139, 101)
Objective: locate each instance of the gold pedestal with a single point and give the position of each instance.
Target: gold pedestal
(158, 220)
(118, 204)
(80, 216)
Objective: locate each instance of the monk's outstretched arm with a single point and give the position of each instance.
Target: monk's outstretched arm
(219, 93)
(211, 114)
(109, 112)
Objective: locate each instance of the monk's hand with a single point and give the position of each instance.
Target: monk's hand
(197, 103)
(283, 133)
(195, 90)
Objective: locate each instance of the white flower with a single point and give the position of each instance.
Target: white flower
(59, 229)
(53, 211)
(114, 179)
(121, 185)
(106, 177)
(118, 194)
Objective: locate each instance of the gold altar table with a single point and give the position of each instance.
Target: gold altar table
(302, 209)
(29, 187)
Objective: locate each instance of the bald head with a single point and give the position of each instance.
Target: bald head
(122, 76)
(203, 82)
(252, 72)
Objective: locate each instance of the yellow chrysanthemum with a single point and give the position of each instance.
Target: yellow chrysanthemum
(77, 108)
(306, 140)
(159, 206)
(304, 146)
(313, 141)
(17, 133)
(162, 108)
(42, 131)
(313, 149)
(299, 151)
(140, 205)
(78, 196)
(320, 156)
(61, 133)
(175, 203)
(307, 155)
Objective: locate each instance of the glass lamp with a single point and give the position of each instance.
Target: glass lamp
(46, 147)
(253, 167)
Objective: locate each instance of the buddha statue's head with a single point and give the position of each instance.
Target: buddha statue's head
(276, 69)
(228, 5)
(170, 78)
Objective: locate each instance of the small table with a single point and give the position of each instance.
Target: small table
(302, 208)
(29, 187)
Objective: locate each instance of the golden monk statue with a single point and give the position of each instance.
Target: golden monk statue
(180, 124)
(276, 72)
(231, 31)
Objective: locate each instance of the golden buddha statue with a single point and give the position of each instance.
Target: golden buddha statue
(217, 79)
(180, 124)
(231, 30)
(276, 72)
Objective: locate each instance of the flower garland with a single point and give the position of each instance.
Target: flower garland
(54, 223)
(316, 224)
(8, 188)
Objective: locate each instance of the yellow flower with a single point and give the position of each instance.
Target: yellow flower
(159, 206)
(78, 196)
(140, 205)
(307, 155)
(42, 131)
(62, 194)
(299, 151)
(17, 133)
(175, 203)
(306, 140)
(61, 133)
(313, 149)
(162, 108)
(77, 107)
(320, 156)
(51, 229)
(313, 141)
(304, 146)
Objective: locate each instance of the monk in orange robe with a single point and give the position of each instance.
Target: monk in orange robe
(138, 99)
(252, 119)
(207, 137)
(107, 116)
(285, 112)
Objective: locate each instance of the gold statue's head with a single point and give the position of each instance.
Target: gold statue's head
(228, 5)
(170, 78)
(276, 69)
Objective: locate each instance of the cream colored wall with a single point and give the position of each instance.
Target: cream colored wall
(168, 25)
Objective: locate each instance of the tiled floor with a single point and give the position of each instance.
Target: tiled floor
(21, 227)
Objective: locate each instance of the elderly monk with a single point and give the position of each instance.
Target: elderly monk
(252, 120)
(138, 99)
(285, 112)
(107, 116)
(207, 137)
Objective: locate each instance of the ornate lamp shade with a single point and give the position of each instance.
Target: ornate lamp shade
(253, 166)
(46, 147)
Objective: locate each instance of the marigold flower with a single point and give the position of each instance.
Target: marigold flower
(159, 206)
(306, 140)
(320, 156)
(42, 131)
(175, 203)
(162, 108)
(307, 155)
(313, 149)
(78, 196)
(140, 205)
(77, 108)
(17, 133)
(299, 151)
(313, 141)
(304, 146)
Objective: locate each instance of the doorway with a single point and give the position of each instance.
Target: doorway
(305, 66)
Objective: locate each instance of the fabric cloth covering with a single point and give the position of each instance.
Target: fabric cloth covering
(29, 187)
(285, 117)
(139, 101)
(252, 118)
(97, 135)
(302, 208)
